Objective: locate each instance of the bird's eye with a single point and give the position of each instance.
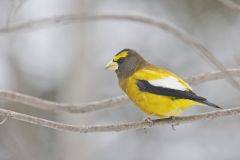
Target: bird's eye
(120, 60)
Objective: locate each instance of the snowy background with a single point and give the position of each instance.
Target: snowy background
(66, 64)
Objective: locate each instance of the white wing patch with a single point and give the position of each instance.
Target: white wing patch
(169, 82)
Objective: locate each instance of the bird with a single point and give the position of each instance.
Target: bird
(156, 91)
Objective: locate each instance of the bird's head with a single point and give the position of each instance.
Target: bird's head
(125, 63)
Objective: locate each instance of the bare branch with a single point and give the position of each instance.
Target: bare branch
(118, 127)
(15, 7)
(4, 120)
(97, 105)
(231, 4)
(161, 24)
(62, 107)
(210, 76)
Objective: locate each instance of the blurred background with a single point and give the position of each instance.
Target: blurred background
(66, 64)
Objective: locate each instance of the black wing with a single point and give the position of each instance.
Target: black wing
(145, 86)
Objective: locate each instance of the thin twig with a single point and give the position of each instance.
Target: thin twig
(231, 4)
(97, 105)
(210, 76)
(15, 7)
(4, 120)
(161, 24)
(118, 127)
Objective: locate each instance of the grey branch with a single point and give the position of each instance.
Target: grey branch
(97, 105)
(62, 107)
(161, 24)
(210, 76)
(117, 127)
(231, 4)
(5, 118)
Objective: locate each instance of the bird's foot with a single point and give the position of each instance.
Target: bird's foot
(149, 121)
(173, 122)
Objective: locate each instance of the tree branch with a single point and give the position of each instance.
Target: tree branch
(97, 105)
(161, 24)
(231, 4)
(62, 107)
(117, 127)
(211, 76)
(3, 120)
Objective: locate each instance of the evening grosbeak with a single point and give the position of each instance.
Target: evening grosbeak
(154, 90)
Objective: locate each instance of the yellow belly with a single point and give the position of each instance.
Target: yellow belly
(161, 106)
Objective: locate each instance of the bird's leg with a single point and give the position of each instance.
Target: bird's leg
(149, 121)
(173, 122)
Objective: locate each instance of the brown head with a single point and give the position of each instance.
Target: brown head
(125, 63)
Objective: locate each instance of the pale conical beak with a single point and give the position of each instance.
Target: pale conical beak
(112, 66)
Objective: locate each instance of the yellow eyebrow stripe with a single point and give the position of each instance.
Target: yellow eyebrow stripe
(120, 55)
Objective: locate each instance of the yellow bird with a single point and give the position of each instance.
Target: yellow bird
(154, 90)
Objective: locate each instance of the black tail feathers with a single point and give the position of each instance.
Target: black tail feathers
(210, 104)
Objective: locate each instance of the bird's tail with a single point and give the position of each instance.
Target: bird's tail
(209, 104)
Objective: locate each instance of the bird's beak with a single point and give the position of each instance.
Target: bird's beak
(112, 66)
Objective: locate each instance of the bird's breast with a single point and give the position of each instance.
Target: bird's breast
(149, 103)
